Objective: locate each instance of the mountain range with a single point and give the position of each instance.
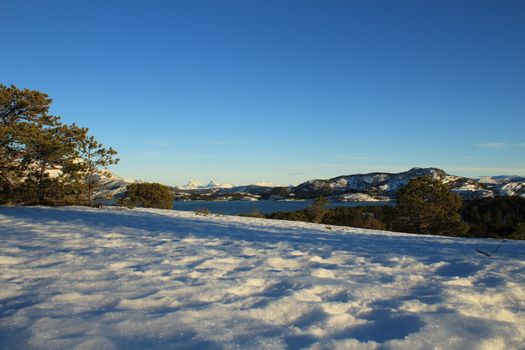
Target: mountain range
(197, 185)
(383, 186)
(377, 186)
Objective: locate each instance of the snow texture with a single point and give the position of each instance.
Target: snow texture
(78, 278)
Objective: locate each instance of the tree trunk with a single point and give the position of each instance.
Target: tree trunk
(41, 185)
(90, 192)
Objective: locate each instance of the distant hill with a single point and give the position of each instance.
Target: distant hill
(383, 186)
(377, 186)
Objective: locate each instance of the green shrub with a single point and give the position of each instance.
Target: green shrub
(149, 195)
(362, 217)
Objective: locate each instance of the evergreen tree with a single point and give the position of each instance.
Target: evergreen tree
(318, 210)
(53, 165)
(497, 217)
(43, 161)
(23, 113)
(427, 206)
(96, 159)
(519, 231)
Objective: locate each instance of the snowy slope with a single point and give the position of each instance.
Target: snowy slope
(78, 278)
(110, 188)
(381, 186)
(196, 185)
(192, 184)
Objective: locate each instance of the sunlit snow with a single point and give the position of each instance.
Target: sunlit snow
(78, 278)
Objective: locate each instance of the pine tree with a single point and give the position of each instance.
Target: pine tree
(96, 159)
(52, 163)
(43, 161)
(427, 206)
(318, 210)
(22, 114)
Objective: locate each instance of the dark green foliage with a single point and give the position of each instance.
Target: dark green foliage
(299, 215)
(499, 217)
(43, 161)
(519, 232)
(363, 217)
(280, 191)
(54, 149)
(23, 114)
(123, 201)
(427, 206)
(373, 217)
(321, 191)
(150, 195)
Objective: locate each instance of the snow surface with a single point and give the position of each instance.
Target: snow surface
(78, 278)
(264, 184)
(197, 185)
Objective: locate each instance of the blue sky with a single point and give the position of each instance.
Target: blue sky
(282, 91)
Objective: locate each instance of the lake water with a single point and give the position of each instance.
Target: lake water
(265, 206)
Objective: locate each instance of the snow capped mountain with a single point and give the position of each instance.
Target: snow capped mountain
(381, 186)
(192, 185)
(213, 184)
(360, 187)
(264, 184)
(501, 179)
(111, 187)
(197, 185)
(513, 189)
(373, 184)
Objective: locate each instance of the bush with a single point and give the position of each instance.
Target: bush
(202, 211)
(299, 215)
(427, 206)
(373, 217)
(125, 202)
(363, 217)
(150, 195)
(318, 210)
(256, 213)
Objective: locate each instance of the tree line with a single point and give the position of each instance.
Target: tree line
(424, 206)
(43, 160)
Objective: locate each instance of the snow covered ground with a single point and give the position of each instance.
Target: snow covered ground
(77, 278)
